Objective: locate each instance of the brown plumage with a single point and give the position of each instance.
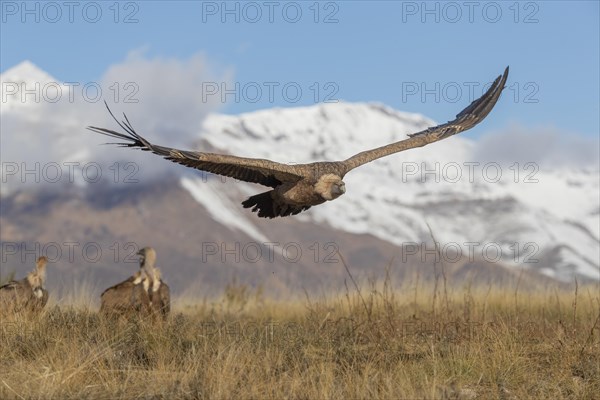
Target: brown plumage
(158, 291)
(160, 296)
(27, 294)
(143, 294)
(298, 187)
(129, 297)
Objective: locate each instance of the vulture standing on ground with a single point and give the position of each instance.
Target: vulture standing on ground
(128, 297)
(28, 294)
(143, 293)
(297, 187)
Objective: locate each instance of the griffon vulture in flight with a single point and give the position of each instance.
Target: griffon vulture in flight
(28, 293)
(297, 187)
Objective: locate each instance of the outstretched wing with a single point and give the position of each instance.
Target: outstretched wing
(466, 119)
(264, 172)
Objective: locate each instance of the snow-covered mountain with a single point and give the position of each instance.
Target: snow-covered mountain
(485, 207)
(25, 87)
(518, 214)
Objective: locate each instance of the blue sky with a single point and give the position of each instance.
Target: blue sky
(414, 56)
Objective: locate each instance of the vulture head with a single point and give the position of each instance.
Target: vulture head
(147, 258)
(330, 186)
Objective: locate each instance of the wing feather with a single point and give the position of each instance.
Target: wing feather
(254, 170)
(466, 119)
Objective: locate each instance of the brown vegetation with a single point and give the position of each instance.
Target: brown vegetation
(371, 341)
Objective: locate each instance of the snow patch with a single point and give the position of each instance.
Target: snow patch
(220, 207)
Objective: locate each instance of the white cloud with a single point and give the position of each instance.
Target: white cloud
(548, 147)
(171, 105)
(169, 110)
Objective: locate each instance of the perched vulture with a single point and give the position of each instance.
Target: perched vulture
(297, 187)
(28, 294)
(127, 298)
(144, 293)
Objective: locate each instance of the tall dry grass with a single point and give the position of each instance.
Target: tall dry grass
(423, 340)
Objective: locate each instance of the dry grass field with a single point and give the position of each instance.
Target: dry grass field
(422, 341)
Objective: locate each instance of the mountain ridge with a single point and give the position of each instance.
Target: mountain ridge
(529, 213)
